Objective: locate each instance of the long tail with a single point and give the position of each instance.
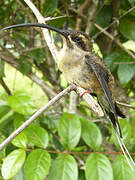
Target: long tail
(113, 115)
(116, 126)
(125, 152)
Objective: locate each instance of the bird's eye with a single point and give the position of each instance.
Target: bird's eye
(76, 39)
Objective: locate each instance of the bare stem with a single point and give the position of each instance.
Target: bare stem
(126, 105)
(2, 82)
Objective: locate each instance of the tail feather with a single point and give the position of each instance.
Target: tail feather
(113, 115)
(115, 123)
(120, 139)
(125, 152)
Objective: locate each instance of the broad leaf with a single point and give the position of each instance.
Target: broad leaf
(13, 163)
(127, 27)
(122, 170)
(24, 66)
(64, 168)
(19, 119)
(98, 167)
(4, 109)
(21, 103)
(37, 165)
(91, 134)
(38, 54)
(125, 72)
(104, 16)
(49, 7)
(37, 135)
(2, 65)
(20, 140)
(69, 130)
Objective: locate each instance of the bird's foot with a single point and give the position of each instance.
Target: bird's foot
(85, 92)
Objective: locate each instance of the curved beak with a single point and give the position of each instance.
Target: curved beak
(60, 31)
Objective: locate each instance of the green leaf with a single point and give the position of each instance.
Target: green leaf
(122, 170)
(91, 134)
(38, 54)
(104, 16)
(37, 135)
(127, 27)
(50, 7)
(116, 57)
(2, 65)
(37, 165)
(3, 94)
(64, 168)
(98, 167)
(20, 141)
(21, 103)
(52, 122)
(125, 72)
(19, 119)
(132, 2)
(58, 22)
(69, 130)
(13, 163)
(24, 66)
(4, 109)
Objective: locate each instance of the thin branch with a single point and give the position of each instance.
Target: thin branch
(80, 13)
(124, 63)
(115, 21)
(116, 41)
(115, 5)
(9, 58)
(91, 16)
(126, 105)
(34, 116)
(2, 82)
(53, 18)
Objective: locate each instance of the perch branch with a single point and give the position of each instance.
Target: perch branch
(90, 101)
(34, 116)
(50, 103)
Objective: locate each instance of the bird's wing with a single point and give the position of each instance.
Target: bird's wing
(103, 77)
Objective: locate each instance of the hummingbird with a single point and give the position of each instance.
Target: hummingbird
(81, 66)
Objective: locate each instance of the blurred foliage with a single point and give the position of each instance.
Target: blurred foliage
(29, 155)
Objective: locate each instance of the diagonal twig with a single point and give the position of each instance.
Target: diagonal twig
(115, 21)
(116, 41)
(34, 116)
